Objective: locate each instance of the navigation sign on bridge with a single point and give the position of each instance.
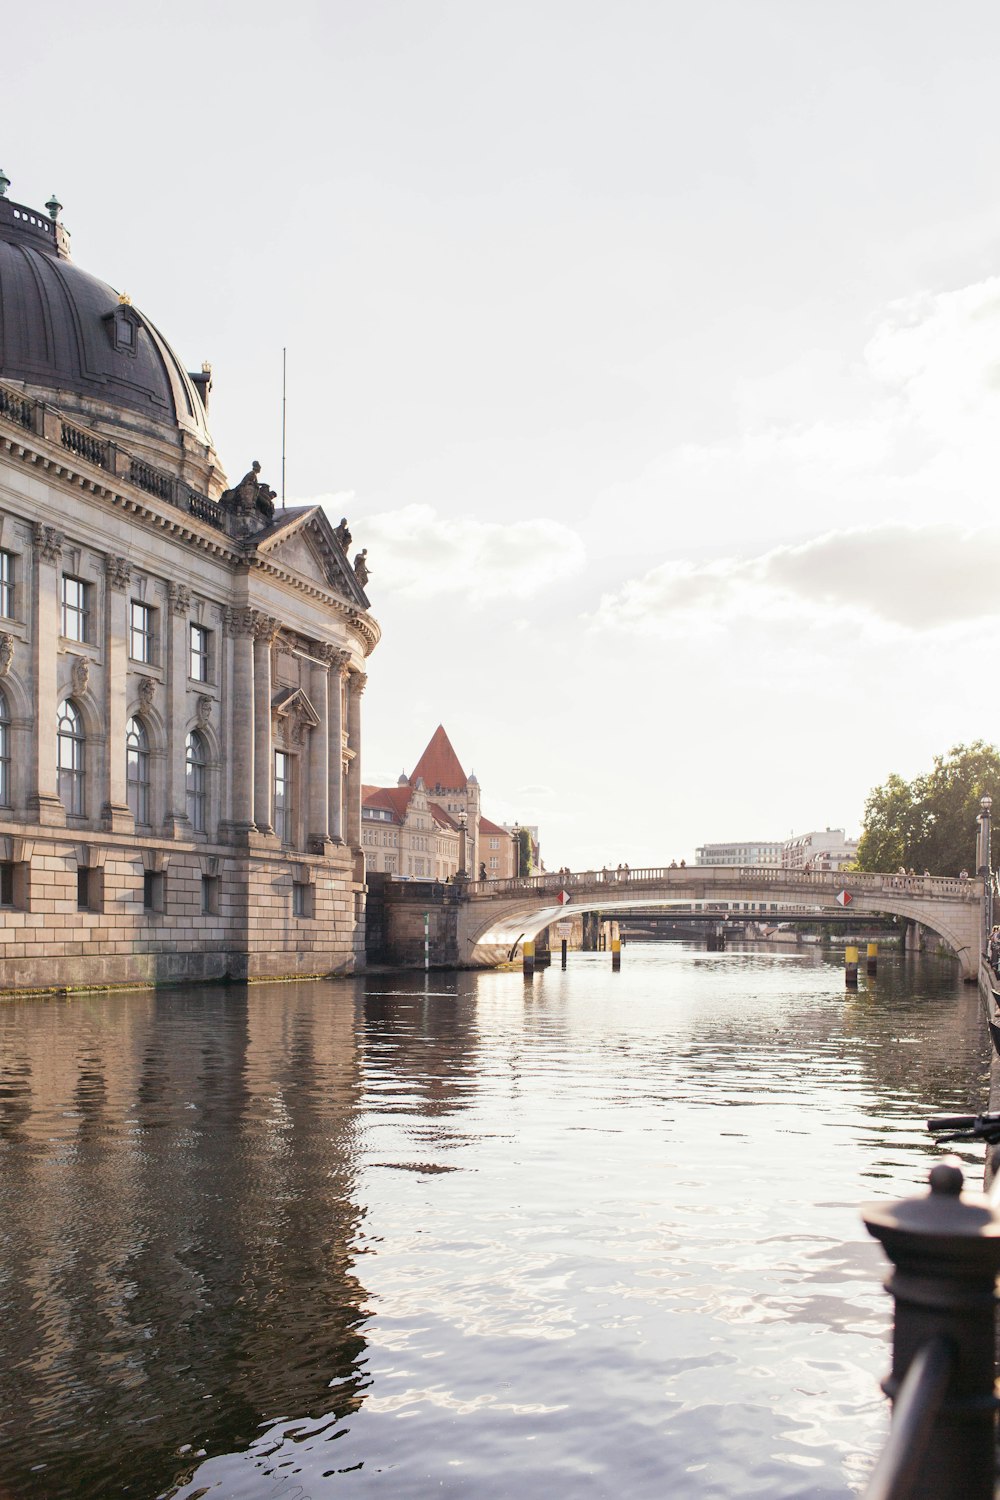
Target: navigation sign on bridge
(844, 898)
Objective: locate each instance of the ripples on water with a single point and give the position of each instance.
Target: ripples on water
(596, 1237)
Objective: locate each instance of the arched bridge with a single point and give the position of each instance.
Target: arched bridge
(495, 914)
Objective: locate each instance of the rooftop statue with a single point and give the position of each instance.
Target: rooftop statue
(342, 534)
(361, 567)
(250, 499)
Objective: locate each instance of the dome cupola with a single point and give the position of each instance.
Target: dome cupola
(71, 340)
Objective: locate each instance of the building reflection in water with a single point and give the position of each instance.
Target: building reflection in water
(180, 1227)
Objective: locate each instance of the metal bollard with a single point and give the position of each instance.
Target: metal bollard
(872, 964)
(528, 959)
(851, 968)
(616, 955)
(564, 953)
(945, 1251)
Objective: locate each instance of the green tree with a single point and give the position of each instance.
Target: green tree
(525, 853)
(930, 823)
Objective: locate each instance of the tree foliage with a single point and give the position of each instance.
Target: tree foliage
(930, 823)
(525, 853)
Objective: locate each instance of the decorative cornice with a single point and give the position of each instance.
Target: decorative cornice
(183, 526)
(117, 571)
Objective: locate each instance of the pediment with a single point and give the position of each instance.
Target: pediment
(307, 547)
(292, 703)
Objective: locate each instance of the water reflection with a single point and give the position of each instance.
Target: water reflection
(458, 1236)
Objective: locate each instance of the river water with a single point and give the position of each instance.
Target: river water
(596, 1236)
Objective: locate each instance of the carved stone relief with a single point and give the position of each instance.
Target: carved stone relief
(80, 674)
(48, 541)
(6, 653)
(117, 571)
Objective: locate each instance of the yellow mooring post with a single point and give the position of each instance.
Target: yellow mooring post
(616, 955)
(851, 968)
(529, 959)
(872, 964)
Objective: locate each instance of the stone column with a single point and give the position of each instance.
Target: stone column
(45, 625)
(177, 647)
(338, 677)
(116, 811)
(356, 686)
(265, 630)
(239, 626)
(319, 754)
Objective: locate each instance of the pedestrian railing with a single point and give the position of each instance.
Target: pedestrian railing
(945, 1252)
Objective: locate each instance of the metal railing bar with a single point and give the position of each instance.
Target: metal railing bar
(917, 1404)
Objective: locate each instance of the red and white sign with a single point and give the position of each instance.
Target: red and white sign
(563, 897)
(845, 898)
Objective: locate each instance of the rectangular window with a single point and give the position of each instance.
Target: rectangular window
(199, 653)
(89, 889)
(140, 634)
(152, 891)
(282, 796)
(209, 895)
(6, 883)
(75, 613)
(302, 899)
(494, 843)
(7, 585)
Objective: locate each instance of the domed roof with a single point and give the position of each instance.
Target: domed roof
(64, 331)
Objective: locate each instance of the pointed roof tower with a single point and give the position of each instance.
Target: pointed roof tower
(439, 765)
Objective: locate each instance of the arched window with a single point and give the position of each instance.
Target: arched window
(196, 781)
(4, 752)
(70, 749)
(137, 770)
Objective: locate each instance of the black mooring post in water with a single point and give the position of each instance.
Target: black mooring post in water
(945, 1252)
(564, 953)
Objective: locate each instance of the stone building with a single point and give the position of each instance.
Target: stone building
(181, 665)
(415, 829)
(823, 849)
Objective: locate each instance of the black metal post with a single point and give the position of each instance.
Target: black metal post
(945, 1250)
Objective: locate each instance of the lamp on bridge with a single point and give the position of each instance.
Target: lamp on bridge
(515, 835)
(463, 846)
(985, 861)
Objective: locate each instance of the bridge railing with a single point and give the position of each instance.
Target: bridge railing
(713, 876)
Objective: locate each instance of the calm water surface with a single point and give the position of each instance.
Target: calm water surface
(596, 1237)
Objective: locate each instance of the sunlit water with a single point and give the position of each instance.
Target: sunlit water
(594, 1237)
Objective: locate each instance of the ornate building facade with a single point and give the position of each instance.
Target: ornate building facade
(181, 666)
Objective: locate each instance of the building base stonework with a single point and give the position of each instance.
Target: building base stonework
(215, 914)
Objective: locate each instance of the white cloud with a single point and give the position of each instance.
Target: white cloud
(419, 554)
(899, 577)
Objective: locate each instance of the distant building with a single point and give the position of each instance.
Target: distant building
(826, 850)
(415, 828)
(754, 853)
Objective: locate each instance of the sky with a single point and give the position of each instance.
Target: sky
(651, 349)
